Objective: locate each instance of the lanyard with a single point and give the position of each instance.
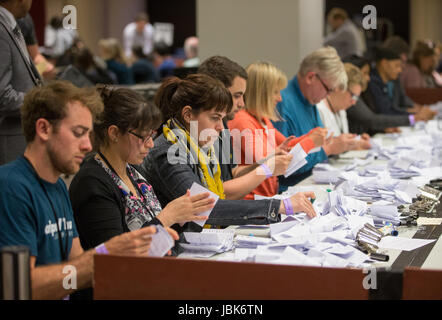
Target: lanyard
(63, 251)
(113, 170)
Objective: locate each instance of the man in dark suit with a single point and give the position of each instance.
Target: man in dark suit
(17, 76)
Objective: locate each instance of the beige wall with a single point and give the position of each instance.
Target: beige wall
(280, 31)
(426, 20)
(98, 18)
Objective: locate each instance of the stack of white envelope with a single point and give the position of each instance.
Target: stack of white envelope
(207, 243)
(380, 188)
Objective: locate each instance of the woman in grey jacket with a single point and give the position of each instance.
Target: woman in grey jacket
(184, 154)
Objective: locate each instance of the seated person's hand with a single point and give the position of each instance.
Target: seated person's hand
(134, 243)
(174, 236)
(277, 164)
(186, 208)
(364, 142)
(425, 114)
(301, 203)
(318, 135)
(284, 147)
(393, 130)
(416, 108)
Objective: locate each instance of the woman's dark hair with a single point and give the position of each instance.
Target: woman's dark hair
(56, 22)
(423, 49)
(356, 60)
(83, 59)
(199, 91)
(126, 109)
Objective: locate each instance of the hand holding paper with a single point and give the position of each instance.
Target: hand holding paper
(162, 242)
(197, 191)
(190, 207)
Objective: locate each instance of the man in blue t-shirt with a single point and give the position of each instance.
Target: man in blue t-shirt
(320, 73)
(35, 209)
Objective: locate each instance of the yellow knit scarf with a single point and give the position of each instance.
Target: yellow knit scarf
(211, 180)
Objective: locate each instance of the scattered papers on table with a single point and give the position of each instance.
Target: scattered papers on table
(405, 244)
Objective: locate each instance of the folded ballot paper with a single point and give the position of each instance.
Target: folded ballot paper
(196, 189)
(161, 243)
(207, 243)
(298, 160)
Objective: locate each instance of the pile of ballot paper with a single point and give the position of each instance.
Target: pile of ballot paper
(207, 243)
(384, 188)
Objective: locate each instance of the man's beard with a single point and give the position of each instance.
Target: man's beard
(58, 164)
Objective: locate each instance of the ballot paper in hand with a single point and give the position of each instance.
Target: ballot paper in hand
(298, 160)
(161, 243)
(196, 189)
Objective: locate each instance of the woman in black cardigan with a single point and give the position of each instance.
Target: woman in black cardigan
(109, 196)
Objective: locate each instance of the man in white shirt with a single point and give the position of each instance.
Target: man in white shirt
(138, 33)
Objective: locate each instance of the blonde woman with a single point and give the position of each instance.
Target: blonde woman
(112, 52)
(265, 81)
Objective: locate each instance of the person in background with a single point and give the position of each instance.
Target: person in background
(238, 181)
(421, 70)
(191, 52)
(163, 60)
(321, 72)
(392, 99)
(58, 40)
(85, 63)
(110, 50)
(362, 118)
(109, 196)
(183, 156)
(142, 69)
(44, 67)
(138, 34)
(18, 75)
(345, 36)
(332, 109)
(261, 139)
(35, 210)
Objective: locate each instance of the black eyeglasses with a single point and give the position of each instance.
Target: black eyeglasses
(152, 134)
(323, 83)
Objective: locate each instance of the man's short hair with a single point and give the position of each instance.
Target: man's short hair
(337, 13)
(326, 62)
(397, 44)
(142, 17)
(222, 69)
(383, 52)
(50, 102)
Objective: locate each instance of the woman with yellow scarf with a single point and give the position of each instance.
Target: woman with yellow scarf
(184, 153)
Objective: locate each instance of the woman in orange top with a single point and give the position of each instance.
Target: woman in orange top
(259, 138)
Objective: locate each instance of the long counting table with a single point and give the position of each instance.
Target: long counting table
(408, 275)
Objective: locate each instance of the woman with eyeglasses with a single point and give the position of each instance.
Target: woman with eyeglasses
(332, 109)
(109, 195)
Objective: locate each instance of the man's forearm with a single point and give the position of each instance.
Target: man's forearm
(47, 281)
(239, 171)
(238, 188)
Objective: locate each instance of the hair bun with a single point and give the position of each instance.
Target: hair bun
(104, 90)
